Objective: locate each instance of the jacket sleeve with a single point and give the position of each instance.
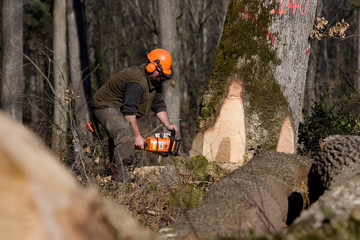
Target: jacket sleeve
(158, 104)
(132, 96)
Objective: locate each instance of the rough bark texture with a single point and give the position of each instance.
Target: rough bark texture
(336, 172)
(12, 83)
(265, 50)
(254, 197)
(291, 39)
(41, 200)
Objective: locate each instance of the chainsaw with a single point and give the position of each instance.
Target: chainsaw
(163, 144)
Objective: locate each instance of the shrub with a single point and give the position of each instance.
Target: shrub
(324, 120)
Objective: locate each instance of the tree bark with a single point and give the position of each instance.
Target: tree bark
(12, 83)
(254, 94)
(60, 78)
(168, 41)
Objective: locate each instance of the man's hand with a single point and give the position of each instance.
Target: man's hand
(139, 142)
(171, 127)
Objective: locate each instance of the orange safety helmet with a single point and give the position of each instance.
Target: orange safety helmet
(160, 59)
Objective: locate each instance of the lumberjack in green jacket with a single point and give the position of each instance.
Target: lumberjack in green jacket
(129, 95)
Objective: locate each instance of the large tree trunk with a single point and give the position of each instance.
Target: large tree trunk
(262, 196)
(60, 78)
(41, 200)
(12, 84)
(254, 94)
(168, 41)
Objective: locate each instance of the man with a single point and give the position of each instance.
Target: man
(130, 94)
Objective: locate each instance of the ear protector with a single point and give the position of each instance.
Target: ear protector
(152, 66)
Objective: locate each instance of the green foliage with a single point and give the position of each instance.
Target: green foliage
(37, 15)
(327, 119)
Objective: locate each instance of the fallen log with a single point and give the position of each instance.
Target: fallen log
(255, 197)
(39, 199)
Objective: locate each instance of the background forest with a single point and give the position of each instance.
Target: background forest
(115, 35)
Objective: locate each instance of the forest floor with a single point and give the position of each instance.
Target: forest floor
(158, 195)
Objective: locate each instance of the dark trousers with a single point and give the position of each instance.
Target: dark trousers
(120, 133)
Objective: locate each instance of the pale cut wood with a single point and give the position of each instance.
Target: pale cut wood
(286, 142)
(226, 140)
(40, 200)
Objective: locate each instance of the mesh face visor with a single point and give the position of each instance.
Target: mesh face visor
(163, 74)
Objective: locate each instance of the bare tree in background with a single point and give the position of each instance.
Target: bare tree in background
(60, 78)
(81, 112)
(12, 84)
(168, 41)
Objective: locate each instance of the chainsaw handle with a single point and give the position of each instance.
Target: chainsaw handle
(173, 133)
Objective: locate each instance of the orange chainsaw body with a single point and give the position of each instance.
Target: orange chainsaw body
(163, 144)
